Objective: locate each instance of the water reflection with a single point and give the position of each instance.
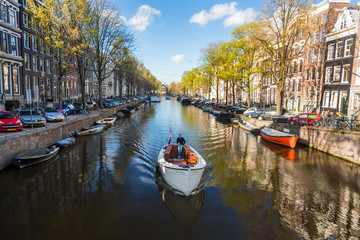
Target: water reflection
(104, 187)
(184, 209)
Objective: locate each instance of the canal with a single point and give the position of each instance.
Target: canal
(104, 187)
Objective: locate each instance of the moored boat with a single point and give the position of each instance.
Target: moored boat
(108, 121)
(284, 152)
(278, 137)
(184, 173)
(245, 125)
(35, 156)
(66, 142)
(128, 110)
(92, 130)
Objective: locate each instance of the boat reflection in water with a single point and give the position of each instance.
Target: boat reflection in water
(184, 209)
(284, 152)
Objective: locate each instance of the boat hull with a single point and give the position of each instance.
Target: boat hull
(288, 141)
(66, 142)
(26, 162)
(252, 129)
(91, 131)
(185, 180)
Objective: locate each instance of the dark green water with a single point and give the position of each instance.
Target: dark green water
(104, 187)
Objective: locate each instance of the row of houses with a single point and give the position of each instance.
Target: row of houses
(27, 72)
(325, 74)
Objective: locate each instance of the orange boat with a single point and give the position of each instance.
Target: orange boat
(275, 136)
(284, 152)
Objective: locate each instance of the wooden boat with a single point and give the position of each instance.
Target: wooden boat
(184, 173)
(66, 142)
(128, 110)
(35, 156)
(108, 121)
(92, 130)
(278, 137)
(245, 125)
(184, 209)
(284, 152)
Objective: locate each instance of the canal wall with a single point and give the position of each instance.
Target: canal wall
(13, 144)
(342, 144)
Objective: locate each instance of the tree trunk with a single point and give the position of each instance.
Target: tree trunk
(249, 96)
(226, 93)
(60, 91)
(233, 92)
(278, 102)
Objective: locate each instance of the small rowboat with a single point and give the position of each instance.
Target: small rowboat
(108, 121)
(184, 173)
(35, 156)
(245, 125)
(278, 137)
(92, 130)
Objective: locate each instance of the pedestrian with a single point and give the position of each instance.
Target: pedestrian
(181, 142)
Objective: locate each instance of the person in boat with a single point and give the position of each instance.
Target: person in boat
(181, 142)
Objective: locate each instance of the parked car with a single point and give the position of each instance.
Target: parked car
(67, 109)
(250, 110)
(91, 104)
(283, 118)
(50, 114)
(9, 122)
(31, 117)
(304, 119)
(78, 107)
(255, 114)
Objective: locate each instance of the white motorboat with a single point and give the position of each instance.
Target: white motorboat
(184, 173)
(92, 130)
(109, 121)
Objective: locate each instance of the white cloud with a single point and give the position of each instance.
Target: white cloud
(218, 11)
(178, 58)
(144, 17)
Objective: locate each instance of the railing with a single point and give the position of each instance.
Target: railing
(339, 123)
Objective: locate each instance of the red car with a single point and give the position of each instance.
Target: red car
(9, 122)
(302, 118)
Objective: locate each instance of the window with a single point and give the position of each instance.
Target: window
(336, 74)
(42, 66)
(334, 99)
(318, 20)
(27, 61)
(294, 67)
(300, 66)
(343, 22)
(26, 20)
(41, 46)
(35, 64)
(6, 72)
(346, 74)
(48, 69)
(313, 73)
(15, 76)
(13, 42)
(310, 39)
(299, 85)
(315, 55)
(27, 82)
(48, 87)
(316, 40)
(328, 74)
(348, 47)
(306, 93)
(318, 73)
(322, 35)
(301, 49)
(293, 85)
(330, 53)
(321, 54)
(34, 43)
(309, 57)
(12, 18)
(3, 13)
(36, 87)
(295, 50)
(324, 18)
(312, 93)
(26, 41)
(4, 46)
(307, 74)
(326, 100)
(25, 3)
(357, 79)
(340, 50)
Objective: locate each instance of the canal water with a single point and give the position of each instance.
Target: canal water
(104, 187)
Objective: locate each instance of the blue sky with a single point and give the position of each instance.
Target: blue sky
(170, 34)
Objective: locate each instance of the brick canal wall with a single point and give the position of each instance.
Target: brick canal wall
(13, 144)
(342, 144)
